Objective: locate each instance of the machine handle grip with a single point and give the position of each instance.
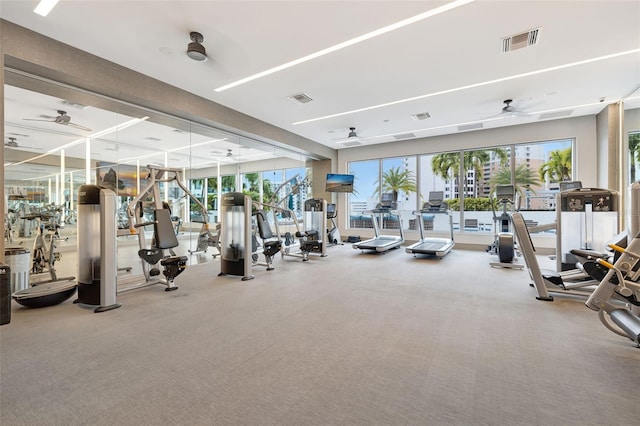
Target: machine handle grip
(139, 225)
(605, 263)
(617, 248)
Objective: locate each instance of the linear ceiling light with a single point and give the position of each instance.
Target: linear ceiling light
(359, 39)
(488, 120)
(180, 148)
(44, 7)
(471, 86)
(105, 132)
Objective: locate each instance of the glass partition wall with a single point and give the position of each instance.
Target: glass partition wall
(55, 144)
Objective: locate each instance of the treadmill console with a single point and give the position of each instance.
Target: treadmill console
(387, 201)
(436, 203)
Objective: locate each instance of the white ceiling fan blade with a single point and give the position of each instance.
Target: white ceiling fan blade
(39, 119)
(9, 146)
(78, 126)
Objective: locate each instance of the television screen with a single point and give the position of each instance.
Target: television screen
(339, 183)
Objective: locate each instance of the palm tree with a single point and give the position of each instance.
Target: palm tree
(228, 183)
(634, 154)
(523, 180)
(396, 180)
(558, 168)
(447, 165)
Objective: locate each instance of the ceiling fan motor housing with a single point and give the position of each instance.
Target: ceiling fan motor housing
(195, 50)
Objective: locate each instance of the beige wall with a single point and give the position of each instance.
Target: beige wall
(582, 129)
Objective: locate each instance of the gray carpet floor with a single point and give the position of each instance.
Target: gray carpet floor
(350, 339)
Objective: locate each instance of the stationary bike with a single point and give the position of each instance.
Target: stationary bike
(504, 245)
(45, 253)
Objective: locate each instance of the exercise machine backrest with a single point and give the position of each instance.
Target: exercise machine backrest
(164, 233)
(264, 229)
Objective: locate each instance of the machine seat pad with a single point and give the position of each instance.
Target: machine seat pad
(271, 247)
(310, 245)
(597, 271)
(589, 254)
(552, 276)
(174, 260)
(151, 256)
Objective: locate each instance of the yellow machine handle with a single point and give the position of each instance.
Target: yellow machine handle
(617, 248)
(605, 263)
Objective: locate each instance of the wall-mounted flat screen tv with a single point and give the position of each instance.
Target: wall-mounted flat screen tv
(339, 183)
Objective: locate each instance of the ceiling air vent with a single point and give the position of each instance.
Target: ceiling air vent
(72, 104)
(351, 143)
(404, 136)
(152, 139)
(421, 116)
(466, 127)
(302, 98)
(556, 114)
(518, 41)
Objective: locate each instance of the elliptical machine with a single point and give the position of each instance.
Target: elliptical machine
(504, 245)
(333, 234)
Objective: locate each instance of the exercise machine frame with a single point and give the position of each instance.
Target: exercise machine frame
(504, 244)
(382, 243)
(433, 246)
(164, 240)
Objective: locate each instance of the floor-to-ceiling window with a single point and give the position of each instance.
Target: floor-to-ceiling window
(534, 170)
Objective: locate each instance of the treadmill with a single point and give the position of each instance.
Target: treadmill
(432, 246)
(382, 243)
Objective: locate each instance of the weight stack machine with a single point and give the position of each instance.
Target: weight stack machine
(586, 219)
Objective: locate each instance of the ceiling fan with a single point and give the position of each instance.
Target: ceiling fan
(13, 143)
(352, 136)
(62, 118)
(228, 154)
(509, 110)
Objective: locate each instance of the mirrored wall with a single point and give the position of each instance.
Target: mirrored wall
(57, 141)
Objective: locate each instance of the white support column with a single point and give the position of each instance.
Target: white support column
(62, 183)
(137, 177)
(87, 160)
(186, 210)
(57, 194)
(166, 184)
(71, 205)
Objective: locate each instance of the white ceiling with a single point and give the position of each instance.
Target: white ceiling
(445, 53)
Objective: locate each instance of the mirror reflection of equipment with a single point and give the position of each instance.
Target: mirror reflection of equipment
(235, 241)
